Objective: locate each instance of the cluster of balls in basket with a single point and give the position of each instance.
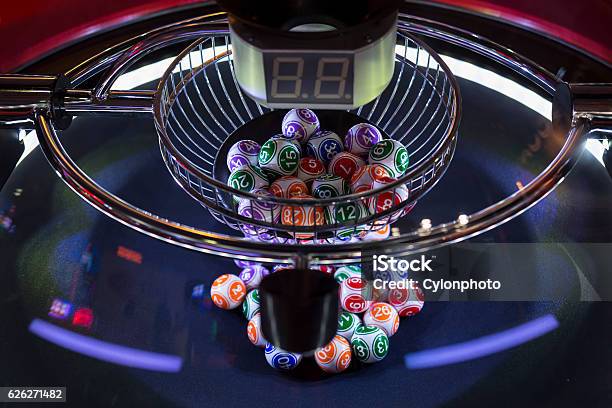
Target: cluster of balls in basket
(306, 162)
(367, 319)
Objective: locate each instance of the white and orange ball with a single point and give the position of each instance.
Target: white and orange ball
(361, 138)
(382, 315)
(254, 331)
(252, 275)
(335, 357)
(345, 164)
(355, 295)
(363, 178)
(288, 186)
(347, 323)
(390, 154)
(300, 124)
(241, 153)
(301, 215)
(282, 359)
(407, 301)
(309, 169)
(227, 291)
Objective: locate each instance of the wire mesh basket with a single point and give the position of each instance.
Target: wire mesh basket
(200, 111)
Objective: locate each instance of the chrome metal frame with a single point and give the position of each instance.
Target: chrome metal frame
(102, 101)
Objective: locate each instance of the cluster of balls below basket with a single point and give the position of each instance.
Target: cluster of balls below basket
(331, 167)
(365, 337)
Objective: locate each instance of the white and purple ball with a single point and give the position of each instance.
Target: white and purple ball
(361, 138)
(300, 124)
(252, 276)
(241, 153)
(258, 210)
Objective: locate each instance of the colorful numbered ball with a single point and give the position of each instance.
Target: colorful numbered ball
(355, 295)
(387, 200)
(247, 178)
(335, 357)
(258, 210)
(252, 276)
(250, 306)
(328, 186)
(328, 269)
(384, 316)
(288, 186)
(300, 124)
(227, 291)
(378, 234)
(324, 145)
(279, 157)
(361, 138)
(370, 344)
(347, 271)
(347, 323)
(241, 153)
(254, 331)
(390, 154)
(345, 164)
(363, 178)
(408, 301)
(351, 213)
(309, 169)
(292, 141)
(302, 215)
(281, 359)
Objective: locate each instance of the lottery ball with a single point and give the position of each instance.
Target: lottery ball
(241, 153)
(227, 291)
(281, 359)
(355, 295)
(250, 306)
(378, 234)
(252, 276)
(299, 124)
(258, 210)
(390, 154)
(389, 199)
(347, 271)
(384, 316)
(329, 185)
(279, 157)
(247, 178)
(335, 357)
(309, 169)
(292, 141)
(288, 186)
(370, 344)
(324, 145)
(363, 178)
(345, 164)
(408, 301)
(254, 331)
(347, 323)
(361, 138)
(301, 215)
(347, 213)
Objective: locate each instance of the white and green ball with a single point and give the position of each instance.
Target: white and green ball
(279, 157)
(328, 186)
(247, 177)
(390, 154)
(370, 344)
(250, 306)
(347, 271)
(348, 213)
(347, 324)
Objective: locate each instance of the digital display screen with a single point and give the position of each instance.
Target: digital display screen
(309, 78)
